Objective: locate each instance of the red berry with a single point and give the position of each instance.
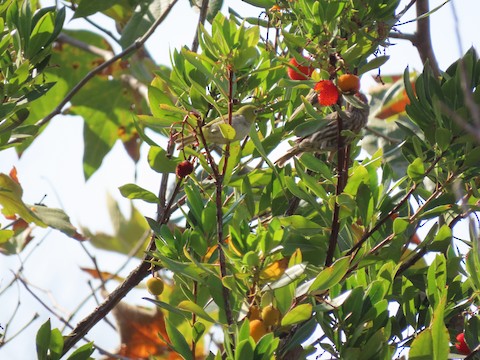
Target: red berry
(302, 72)
(461, 345)
(184, 169)
(327, 92)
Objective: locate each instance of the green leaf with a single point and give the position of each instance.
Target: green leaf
(473, 264)
(266, 4)
(400, 225)
(56, 344)
(145, 14)
(41, 35)
(43, 340)
(133, 191)
(298, 314)
(90, 7)
(440, 336)
(160, 161)
(57, 219)
(11, 200)
(157, 124)
(190, 306)
(422, 346)
(416, 170)
(358, 176)
(83, 352)
(442, 239)
(6, 235)
(168, 307)
(299, 223)
(309, 127)
(101, 114)
(373, 64)
(266, 347)
(244, 349)
(290, 275)
(228, 132)
(197, 331)
(259, 147)
(182, 268)
(443, 137)
(436, 280)
(178, 342)
(331, 275)
(300, 335)
(127, 233)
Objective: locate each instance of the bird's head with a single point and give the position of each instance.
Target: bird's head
(249, 111)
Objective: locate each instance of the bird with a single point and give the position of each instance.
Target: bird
(242, 121)
(353, 119)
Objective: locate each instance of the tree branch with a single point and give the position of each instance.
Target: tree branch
(201, 21)
(342, 171)
(423, 39)
(132, 280)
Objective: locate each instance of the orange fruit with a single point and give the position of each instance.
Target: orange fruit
(257, 329)
(348, 83)
(271, 316)
(254, 313)
(155, 286)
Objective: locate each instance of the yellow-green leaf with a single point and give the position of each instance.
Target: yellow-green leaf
(297, 314)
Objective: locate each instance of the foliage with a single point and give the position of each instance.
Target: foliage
(50, 345)
(330, 248)
(25, 48)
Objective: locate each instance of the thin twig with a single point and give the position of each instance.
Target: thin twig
(386, 137)
(401, 36)
(73, 7)
(407, 7)
(92, 49)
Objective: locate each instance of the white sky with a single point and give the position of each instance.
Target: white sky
(53, 166)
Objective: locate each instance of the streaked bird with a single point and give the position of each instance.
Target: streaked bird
(324, 140)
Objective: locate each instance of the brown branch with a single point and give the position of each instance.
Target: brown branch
(406, 8)
(341, 182)
(201, 21)
(218, 198)
(423, 39)
(132, 280)
(219, 215)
